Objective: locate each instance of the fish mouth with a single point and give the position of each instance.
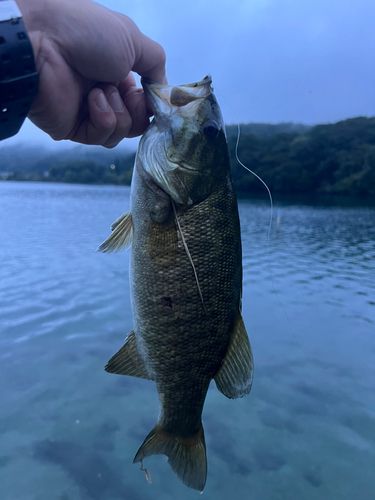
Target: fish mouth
(163, 98)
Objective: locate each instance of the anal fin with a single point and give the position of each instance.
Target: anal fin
(127, 361)
(121, 237)
(234, 377)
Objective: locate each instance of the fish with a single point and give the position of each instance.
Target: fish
(185, 272)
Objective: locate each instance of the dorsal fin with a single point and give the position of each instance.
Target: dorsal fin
(121, 237)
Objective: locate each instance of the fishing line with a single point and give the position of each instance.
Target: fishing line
(271, 215)
(189, 256)
(248, 169)
(259, 178)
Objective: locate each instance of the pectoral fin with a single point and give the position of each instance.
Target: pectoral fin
(235, 375)
(127, 361)
(121, 237)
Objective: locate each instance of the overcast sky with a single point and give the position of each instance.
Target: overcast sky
(308, 61)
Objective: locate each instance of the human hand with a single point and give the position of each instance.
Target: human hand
(84, 54)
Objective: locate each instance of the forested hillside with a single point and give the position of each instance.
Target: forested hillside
(336, 158)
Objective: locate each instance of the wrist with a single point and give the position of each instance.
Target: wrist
(18, 76)
(32, 15)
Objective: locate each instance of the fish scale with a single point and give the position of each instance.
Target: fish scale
(186, 273)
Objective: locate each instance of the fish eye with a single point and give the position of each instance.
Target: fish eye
(211, 129)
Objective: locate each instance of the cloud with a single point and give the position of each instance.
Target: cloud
(273, 60)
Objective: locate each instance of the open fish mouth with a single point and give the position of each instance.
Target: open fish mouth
(163, 98)
(171, 148)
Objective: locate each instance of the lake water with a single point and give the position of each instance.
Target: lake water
(69, 430)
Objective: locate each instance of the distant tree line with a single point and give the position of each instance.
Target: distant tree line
(331, 159)
(82, 172)
(291, 158)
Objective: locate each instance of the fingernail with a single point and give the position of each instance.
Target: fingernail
(101, 102)
(115, 102)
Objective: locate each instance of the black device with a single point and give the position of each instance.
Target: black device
(18, 76)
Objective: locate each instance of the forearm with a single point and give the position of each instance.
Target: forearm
(85, 55)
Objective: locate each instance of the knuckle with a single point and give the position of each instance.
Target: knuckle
(124, 124)
(108, 122)
(162, 55)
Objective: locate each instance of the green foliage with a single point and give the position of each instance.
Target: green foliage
(88, 172)
(266, 129)
(81, 172)
(332, 159)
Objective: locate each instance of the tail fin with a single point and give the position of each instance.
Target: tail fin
(186, 456)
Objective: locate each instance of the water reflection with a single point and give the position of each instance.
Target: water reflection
(306, 431)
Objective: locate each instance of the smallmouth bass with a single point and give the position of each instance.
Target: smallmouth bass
(186, 272)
